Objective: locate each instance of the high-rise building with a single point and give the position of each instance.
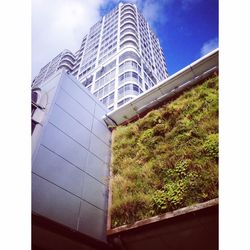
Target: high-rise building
(118, 59)
(65, 60)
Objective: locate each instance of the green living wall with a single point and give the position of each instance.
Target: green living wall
(168, 159)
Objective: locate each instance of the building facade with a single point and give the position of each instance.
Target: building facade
(64, 60)
(118, 59)
(70, 158)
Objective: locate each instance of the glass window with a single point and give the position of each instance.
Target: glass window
(106, 89)
(127, 74)
(121, 77)
(111, 99)
(134, 64)
(127, 87)
(34, 96)
(135, 88)
(120, 91)
(105, 100)
(101, 92)
(33, 125)
(134, 75)
(140, 80)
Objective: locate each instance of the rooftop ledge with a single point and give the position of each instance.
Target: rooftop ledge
(164, 217)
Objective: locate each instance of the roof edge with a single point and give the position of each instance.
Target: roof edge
(165, 217)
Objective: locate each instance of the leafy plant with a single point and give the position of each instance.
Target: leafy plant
(211, 145)
(168, 159)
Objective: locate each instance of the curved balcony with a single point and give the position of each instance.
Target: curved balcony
(129, 89)
(68, 58)
(38, 99)
(128, 6)
(130, 37)
(128, 20)
(69, 53)
(129, 43)
(66, 65)
(128, 10)
(35, 95)
(128, 25)
(129, 40)
(127, 14)
(129, 31)
(130, 76)
(129, 65)
(67, 61)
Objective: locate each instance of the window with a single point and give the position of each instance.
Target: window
(135, 75)
(105, 90)
(128, 89)
(108, 100)
(33, 125)
(129, 54)
(128, 76)
(136, 88)
(123, 101)
(105, 79)
(129, 43)
(34, 96)
(88, 81)
(105, 69)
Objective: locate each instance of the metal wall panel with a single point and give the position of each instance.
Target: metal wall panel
(97, 168)
(58, 171)
(71, 166)
(53, 202)
(99, 148)
(75, 109)
(79, 95)
(64, 145)
(101, 131)
(100, 112)
(92, 221)
(94, 192)
(70, 126)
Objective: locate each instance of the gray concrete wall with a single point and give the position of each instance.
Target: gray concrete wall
(70, 159)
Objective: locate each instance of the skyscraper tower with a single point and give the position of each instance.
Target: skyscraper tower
(64, 60)
(120, 57)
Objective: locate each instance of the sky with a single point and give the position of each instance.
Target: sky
(187, 29)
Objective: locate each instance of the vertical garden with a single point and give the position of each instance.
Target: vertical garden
(168, 159)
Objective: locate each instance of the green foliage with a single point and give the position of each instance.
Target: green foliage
(211, 145)
(167, 159)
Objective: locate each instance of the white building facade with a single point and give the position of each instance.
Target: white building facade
(119, 58)
(64, 60)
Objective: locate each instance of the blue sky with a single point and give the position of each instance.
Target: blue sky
(187, 29)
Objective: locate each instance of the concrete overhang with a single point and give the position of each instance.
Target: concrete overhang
(165, 90)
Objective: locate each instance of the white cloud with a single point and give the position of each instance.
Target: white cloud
(59, 25)
(209, 46)
(152, 10)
